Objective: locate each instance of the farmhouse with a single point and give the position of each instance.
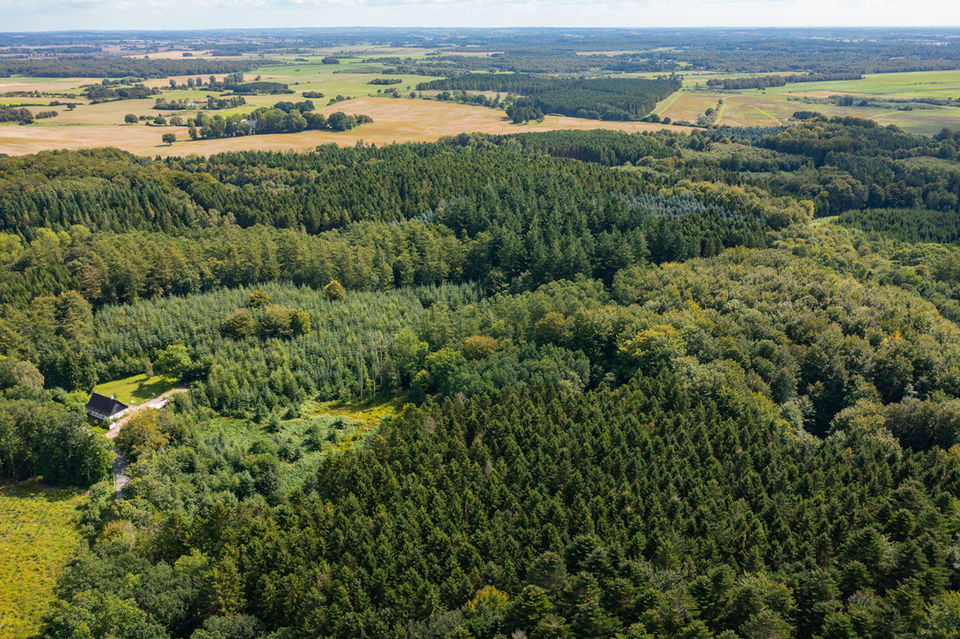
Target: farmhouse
(102, 407)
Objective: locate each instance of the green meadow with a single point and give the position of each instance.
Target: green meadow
(38, 536)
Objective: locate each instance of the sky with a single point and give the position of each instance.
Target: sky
(55, 15)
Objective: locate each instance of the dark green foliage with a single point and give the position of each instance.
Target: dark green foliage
(653, 401)
(762, 82)
(613, 99)
(908, 225)
(102, 93)
(15, 114)
(118, 67)
(648, 508)
(269, 88)
(40, 436)
(211, 103)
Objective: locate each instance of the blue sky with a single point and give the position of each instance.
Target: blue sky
(43, 15)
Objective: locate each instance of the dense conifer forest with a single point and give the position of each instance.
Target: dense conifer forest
(606, 99)
(646, 385)
(117, 67)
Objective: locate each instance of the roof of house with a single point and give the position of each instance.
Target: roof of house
(103, 405)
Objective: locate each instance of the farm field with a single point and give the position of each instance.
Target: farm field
(923, 84)
(38, 536)
(775, 106)
(394, 120)
(404, 120)
(753, 110)
(48, 85)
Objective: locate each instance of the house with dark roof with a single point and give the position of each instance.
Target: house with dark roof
(102, 407)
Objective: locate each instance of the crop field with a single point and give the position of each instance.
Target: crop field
(405, 119)
(349, 78)
(49, 85)
(924, 84)
(394, 120)
(38, 536)
(775, 106)
(925, 121)
(736, 110)
(19, 140)
(175, 55)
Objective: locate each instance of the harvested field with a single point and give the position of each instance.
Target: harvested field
(20, 140)
(394, 120)
(48, 85)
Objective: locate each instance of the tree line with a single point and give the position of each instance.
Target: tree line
(119, 67)
(612, 99)
(764, 81)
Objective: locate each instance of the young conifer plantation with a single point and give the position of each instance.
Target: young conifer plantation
(549, 385)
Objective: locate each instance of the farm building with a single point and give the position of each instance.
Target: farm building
(102, 407)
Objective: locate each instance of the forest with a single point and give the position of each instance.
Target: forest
(764, 81)
(117, 67)
(660, 384)
(607, 99)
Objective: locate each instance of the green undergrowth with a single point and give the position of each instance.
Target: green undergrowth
(38, 536)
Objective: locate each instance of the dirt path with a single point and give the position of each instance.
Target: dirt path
(156, 402)
(120, 463)
(120, 479)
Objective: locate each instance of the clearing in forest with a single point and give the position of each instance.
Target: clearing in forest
(137, 389)
(38, 536)
(321, 428)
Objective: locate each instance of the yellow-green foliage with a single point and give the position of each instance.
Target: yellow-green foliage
(141, 435)
(489, 598)
(335, 291)
(480, 346)
(38, 536)
(258, 299)
(779, 212)
(654, 347)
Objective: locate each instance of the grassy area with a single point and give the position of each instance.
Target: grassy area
(921, 84)
(323, 428)
(349, 78)
(367, 415)
(137, 389)
(38, 536)
(775, 106)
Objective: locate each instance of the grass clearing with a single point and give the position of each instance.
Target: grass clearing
(323, 428)
(38, 536)
(137, 389)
